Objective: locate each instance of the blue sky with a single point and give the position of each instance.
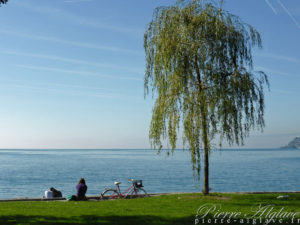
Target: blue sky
(71, 72)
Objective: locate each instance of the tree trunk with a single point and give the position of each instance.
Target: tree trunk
(206, 171)
(204, 128)
(206, 150)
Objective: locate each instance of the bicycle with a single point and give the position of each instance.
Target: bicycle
(136, 190)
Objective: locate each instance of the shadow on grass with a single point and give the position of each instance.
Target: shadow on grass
(122, 220)
(90, 220)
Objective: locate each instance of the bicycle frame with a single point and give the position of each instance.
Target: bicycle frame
(125, 193)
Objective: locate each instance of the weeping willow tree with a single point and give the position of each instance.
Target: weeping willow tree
(200, 70)
(2, 2)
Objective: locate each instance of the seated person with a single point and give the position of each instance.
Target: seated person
(56, 193)
(81, 190)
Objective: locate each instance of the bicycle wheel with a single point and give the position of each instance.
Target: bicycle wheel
(140, 193)
(109, 194)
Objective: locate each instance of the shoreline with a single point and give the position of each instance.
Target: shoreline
(96, 197)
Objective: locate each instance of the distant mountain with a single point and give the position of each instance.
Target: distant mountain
(293, 144)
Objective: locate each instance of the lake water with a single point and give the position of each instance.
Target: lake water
(28, 173)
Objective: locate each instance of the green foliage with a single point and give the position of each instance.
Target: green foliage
(2, 2)
(199, 67)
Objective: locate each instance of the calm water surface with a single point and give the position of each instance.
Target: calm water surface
(28, 173)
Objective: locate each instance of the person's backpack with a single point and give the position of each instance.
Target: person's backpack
(48, 194)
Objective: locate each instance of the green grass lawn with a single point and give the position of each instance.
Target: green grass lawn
(166, 209)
